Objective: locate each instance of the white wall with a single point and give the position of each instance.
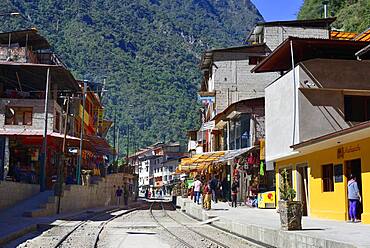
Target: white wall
(279, 118)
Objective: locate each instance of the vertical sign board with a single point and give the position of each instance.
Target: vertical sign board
(338, 173)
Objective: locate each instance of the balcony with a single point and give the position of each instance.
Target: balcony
(28, 114)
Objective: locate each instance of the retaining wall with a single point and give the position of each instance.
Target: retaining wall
(79, 197)
(13, 192)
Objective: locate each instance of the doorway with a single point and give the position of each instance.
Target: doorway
(302, 187)
(353, 167)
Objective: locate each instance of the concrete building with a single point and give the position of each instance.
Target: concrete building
(274, 33)
(323, 91)
(156, 165)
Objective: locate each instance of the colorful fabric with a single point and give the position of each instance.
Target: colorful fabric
(262, 171)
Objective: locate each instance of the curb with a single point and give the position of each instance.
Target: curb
(262, 235)
(17, 234)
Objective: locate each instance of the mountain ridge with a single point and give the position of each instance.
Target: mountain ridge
(148, 51)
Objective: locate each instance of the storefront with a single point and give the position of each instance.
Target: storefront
(22, 158)
(320, 169)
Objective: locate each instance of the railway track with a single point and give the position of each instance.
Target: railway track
(193, 233)
(101, 227)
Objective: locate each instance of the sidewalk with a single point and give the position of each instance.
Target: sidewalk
(263, 225)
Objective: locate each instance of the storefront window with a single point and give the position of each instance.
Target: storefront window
(18, 116)
(245, 126)
(327, 178)
(237, 134)
(232, 135)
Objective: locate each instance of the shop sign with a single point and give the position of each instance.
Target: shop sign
(349, 149)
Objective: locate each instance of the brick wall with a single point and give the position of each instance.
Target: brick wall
(274, 36)
(12, 192)
(233, 80)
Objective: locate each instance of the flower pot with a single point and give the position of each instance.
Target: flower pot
(290, 215)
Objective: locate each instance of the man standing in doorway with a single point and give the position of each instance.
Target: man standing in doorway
(354, 198)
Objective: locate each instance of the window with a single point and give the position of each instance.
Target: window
(327, 178)
(147, 168)
(18, 116)
(171, 168)
(357, 108)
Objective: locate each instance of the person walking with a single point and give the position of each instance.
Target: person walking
(214, 185)
(207, 197)
(125, 196)
(234, 192)
(354, 198)
(119, 195)
(197, 185)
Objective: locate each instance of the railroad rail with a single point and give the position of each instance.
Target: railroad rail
(101, 227)
(181, 240)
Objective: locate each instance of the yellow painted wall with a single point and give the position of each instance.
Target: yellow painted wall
(332, 205)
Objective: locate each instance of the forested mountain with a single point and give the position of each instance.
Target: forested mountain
(352, 15)
(147, 50)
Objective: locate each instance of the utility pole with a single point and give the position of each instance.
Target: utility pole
(78, 173)
(128, 141)
(59, 188)
(114, 136)
(45, 142)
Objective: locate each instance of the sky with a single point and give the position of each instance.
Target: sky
(278, 10)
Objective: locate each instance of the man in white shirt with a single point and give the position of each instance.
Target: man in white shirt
(197, 186)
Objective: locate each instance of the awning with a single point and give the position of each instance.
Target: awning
(200, 161)
(24, 132)
(230, 155)
(97, 144)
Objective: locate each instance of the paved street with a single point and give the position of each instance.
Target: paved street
(155, 225)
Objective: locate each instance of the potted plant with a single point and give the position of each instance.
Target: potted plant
(290, 211)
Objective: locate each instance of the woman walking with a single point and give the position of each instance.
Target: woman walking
(234, 192)
(354, 198)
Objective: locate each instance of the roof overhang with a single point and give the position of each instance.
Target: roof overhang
(237, 108)
(351, 134)
(15, 74)
(24, 38)
(323, 22)
(207, 58)
(309, 48)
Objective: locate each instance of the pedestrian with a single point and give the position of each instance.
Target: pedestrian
(354, 198)
(234, 192)
(119, 195)
(146, 194)
(125, 196)
(207, 192)
(214, 185)
(197, 185)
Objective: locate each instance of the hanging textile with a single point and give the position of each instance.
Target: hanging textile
(262, 171)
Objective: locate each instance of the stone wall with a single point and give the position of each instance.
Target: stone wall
(233, 80)
(12, 192)
(79, 197)
(275, 35)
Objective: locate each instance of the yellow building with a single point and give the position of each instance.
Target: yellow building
(320, 168)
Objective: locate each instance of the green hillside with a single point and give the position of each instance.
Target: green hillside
(147, 50)
(352, 15)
